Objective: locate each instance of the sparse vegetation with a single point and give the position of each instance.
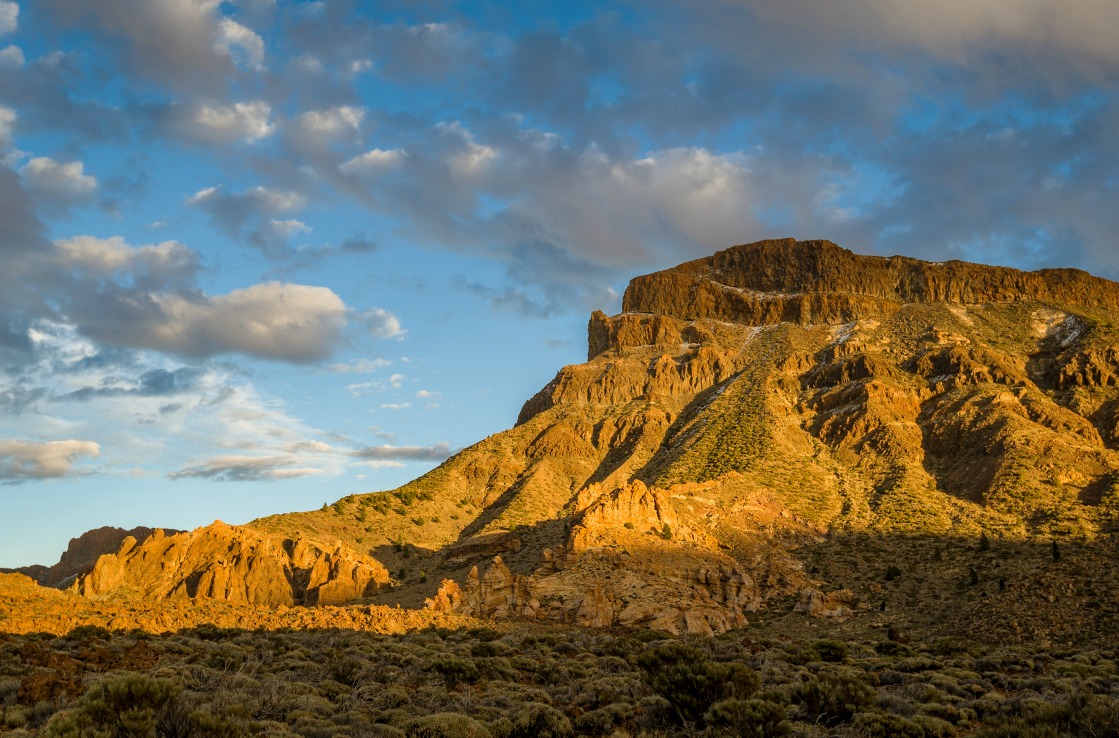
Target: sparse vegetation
(525, 681)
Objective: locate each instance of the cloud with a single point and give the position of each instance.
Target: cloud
(373, 162)
(242, 44)
(153, 266)
(386, 452)
(395, 405)
(251, 215)
(184, 44)
(22, 461)
(11, 56)
(213, 123)
(246, 469)
(382, 323)
(9, 16)
(274, 320)
(332, 123)
(361, 366)
(58, 183)
(361, 389)
(7, 125)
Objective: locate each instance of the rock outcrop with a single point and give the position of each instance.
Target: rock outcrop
(236, 565)
(82, 553)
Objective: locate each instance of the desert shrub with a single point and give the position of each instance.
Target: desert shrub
(834, 697)
(747, 718)
(826, 649)
(447, 725)
(683, 676)
(130, 705)
(604, 719)
(878, 725)
(454, 670)
(535, 720)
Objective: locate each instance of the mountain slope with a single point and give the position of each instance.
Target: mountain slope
(746, 412)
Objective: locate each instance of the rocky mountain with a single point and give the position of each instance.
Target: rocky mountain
(81, 555)
(784, 429)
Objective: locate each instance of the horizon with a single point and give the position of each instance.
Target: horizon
(263, 255)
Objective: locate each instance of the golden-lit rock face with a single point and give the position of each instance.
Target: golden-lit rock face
(236, 565)
(745, 413)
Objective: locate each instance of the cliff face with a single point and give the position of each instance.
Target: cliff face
(768, 428)
(807, 282)
(232, 564)
(82, 553)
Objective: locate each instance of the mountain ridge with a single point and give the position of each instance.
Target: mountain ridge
(730, 424)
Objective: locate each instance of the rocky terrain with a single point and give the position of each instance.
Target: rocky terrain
(785, 435)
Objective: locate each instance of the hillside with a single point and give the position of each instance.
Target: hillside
(783, 429)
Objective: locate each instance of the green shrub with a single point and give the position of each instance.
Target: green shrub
(877, 725)
(748, 718)
(826, 649)
(683, 676)
(834, 697)
(126, 706)
(454, 670)
(447, 725)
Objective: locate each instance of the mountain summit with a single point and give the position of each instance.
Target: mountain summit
(761, 434)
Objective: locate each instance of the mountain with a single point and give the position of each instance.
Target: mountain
(783, 429)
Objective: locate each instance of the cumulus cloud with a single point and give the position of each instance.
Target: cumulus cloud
(246, 469)
(181, 43)
(59, 183)
(387, 452)
(373, 162)
(21, 461)
(242, 44)
(252, 215)
(382, 323)
(152, 265)
(9, 16)
(331, 123)
(274, 320)
(7, 125)
(361, 366)
(11, 56)
(214, 123)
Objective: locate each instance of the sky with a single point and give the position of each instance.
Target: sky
(261, 254)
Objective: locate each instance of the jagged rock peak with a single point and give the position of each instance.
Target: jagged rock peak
(806, 282)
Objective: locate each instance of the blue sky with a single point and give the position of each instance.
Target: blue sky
(262, 254)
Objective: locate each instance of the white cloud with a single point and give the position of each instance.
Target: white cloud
(382, 323)
(62, 183)
(9, 16)
(106, 257)
(224, 124)
(25, 460)
(374, 161)
(244, 468)
(396, 405)
(274, 320)
(427, 394)
(12, 56)
(289, 228)
(361, 366)
(435, 452)
(242, 44)
(7, 123)
(331, 123)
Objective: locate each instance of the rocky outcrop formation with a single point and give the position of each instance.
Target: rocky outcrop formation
(499, 593)
(82, 553)
(236, 565)
(839, 604)
(817, 282)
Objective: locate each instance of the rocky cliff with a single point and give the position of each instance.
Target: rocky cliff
(236, 565)
(760, 434)
(82, 553)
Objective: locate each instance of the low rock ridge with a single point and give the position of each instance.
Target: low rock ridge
(82, 553)
(236, 565)
(818, 282)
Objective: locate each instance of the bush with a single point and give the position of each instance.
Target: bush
(826, 649)
(748, 718)
(447, 725)
(835, 697)
(683, 676)
(876, 725)
(127, 705)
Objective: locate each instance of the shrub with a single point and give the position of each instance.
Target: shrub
(876, 725)
(826, 649)
(835, 697)
(748, 718)
(127, 705)
(455, 670)
(447, 725)
(683, 676)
